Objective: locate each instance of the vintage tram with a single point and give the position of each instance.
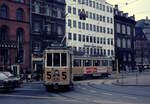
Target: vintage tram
(91, 66)
(57, 68)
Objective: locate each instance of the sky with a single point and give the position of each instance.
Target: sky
(140, 8)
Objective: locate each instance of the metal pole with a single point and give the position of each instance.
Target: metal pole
(117, 72)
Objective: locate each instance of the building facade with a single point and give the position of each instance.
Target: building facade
(94, 34)
(14, 33)
(48, 27)
(144, 24)
(124, 39)
(141, 47)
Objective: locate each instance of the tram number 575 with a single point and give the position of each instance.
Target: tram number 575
(64, 75)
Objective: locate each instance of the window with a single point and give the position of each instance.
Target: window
(36, 46)
(79, 11)
(79, 25)
(74, 11)
(36, 7)
(79, 38)
(74, 36)
(97, 28)
(111, 31)
(83, 26)
(76, 62)
(3, 33)
(129, 43)
(104, 30)
(118, 42)
(83, 38)
(19, 14)
(124, 43)
(69, 23)
(36, 27)
(20, 35)
(63, 59)
(87, 38)
(108, 41)
(100, 17)
(123, 29)
(69, 36)
(108, 30)
(59, 30)
(90, 27)
(48, 28)
(118, 28)
(87, 26)
(49, 59)
(128, 30)
(56, 59)
(4, 11)
(107, 19)
(103, 18)
(69, 9)
(74, 24)
(94, 27)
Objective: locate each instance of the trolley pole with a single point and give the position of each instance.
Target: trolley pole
(117, 72)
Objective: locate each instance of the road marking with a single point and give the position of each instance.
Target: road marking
(92, 91)
(107, 93)
(129, 97)
(28, 89)
(83, 88)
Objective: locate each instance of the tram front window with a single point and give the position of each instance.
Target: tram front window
(49, 59)
(104, 62)
(56, 59)
(63, 59)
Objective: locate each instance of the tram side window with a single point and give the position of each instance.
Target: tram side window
(56, 59)
(63, 59)
(87, 62)
(105, 62)
(77, 63)
(110, 63)
(49, 59)
(96, 62)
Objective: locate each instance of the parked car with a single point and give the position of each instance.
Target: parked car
(6, 83)
(17, 81)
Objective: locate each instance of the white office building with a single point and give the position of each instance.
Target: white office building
(95, 35)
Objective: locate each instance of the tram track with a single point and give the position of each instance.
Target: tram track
(114, 91)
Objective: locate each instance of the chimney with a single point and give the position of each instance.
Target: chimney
(146, 17)
(126, 15)
(116, 7)
(121, 13)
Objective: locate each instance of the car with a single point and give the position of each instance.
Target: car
(6, 83)
(17, 81)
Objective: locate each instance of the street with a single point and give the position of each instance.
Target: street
(94, 91)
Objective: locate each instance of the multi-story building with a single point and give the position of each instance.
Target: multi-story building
(141, 47)
(48, 27)
(124, 39)
(14, 33)
(94, 35)
(144, 24)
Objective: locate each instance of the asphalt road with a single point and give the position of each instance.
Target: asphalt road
(98, 91)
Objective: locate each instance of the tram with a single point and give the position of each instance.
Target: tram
(91, 66)
(57, 68)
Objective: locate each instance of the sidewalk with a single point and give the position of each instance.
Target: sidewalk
(134, 79)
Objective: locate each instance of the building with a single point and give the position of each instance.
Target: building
(124, 39)
(48, 27)
(141, 47)
(90, 27)
(144, 24)
(14, 34)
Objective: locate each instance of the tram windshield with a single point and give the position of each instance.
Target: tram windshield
(56, 59)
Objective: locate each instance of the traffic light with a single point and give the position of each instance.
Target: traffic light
(82, 15)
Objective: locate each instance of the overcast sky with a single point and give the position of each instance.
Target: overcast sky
(141, 8)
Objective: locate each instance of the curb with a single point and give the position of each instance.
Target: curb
(130, 85)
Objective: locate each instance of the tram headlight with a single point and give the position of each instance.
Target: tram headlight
(56, 72)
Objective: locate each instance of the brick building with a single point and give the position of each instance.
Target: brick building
(14, 33)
